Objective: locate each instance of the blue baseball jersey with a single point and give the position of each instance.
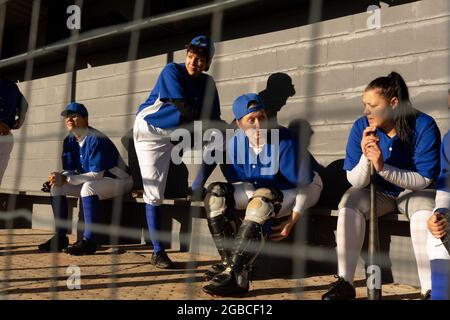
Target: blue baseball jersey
(443, 182)
(422, 157)
(10, 102)
(276, 166)
(174, 83)
(98, 153)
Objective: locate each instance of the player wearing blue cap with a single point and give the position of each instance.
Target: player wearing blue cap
(266, 177)
(403, 145)
(94, 170)
(183, 93)
(438, 242)
(13, 108)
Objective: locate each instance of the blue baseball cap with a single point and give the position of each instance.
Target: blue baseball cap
(75, 107)
(205, 43)
(241, 105)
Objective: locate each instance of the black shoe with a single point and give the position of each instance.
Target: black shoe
(340, 290)
(82, 247)
(228, 283)
(196, 195)
(426, 295)
(54, 244)
(161, 260)
(214, 270)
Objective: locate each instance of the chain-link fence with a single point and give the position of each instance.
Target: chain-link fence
(311, 77)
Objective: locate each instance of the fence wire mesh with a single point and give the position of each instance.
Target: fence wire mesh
(303, 255)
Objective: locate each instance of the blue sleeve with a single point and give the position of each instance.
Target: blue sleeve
(171, 83)
(443, 182)
(353, 150)
(426, 151)
(12, 103)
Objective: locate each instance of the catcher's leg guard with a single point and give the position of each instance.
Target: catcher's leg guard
(219, 198)
(249, 241)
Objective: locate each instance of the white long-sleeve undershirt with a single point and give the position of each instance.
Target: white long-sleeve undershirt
(405, 179)
(442, 199)
(359, 176)
(84, 177)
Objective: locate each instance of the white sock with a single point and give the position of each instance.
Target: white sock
(351, 227)
(419, 234)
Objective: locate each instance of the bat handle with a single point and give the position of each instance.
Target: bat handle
(374, 290)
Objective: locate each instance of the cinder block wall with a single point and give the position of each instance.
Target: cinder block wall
(329, 64)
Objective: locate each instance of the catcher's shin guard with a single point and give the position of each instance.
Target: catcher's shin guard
(219, 198)
(248, 243)
(236, 277)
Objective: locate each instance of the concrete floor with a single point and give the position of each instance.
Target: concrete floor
(27, 274)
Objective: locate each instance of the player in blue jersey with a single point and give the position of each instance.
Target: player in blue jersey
(93, 170)
(183, 93)
(266, 177)
(438, 242)
(403, 145)
(13, 108)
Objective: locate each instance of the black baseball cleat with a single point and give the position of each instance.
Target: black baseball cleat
(426, 295)
(340, 290)
(82, 247)
(214, 270)
(54, 244)
(228, 283)
(161, 260)
(196, 195)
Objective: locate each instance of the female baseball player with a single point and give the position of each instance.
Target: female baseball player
(182, 93)
(93, 169)
(403, 145)
(438, 242)
(13, 108)
(266, 177)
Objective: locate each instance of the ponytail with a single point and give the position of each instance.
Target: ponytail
(393, 86)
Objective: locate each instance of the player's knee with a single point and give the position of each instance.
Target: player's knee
(411, 202)
(88, 189)
(265, 203)
(356, 199)
(218, 197)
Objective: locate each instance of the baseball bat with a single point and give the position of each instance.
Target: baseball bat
(445, 239)
(373, 293)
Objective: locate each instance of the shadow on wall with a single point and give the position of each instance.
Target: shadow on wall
(278, 89)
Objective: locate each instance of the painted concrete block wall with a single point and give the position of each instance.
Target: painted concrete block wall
(329, 64)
